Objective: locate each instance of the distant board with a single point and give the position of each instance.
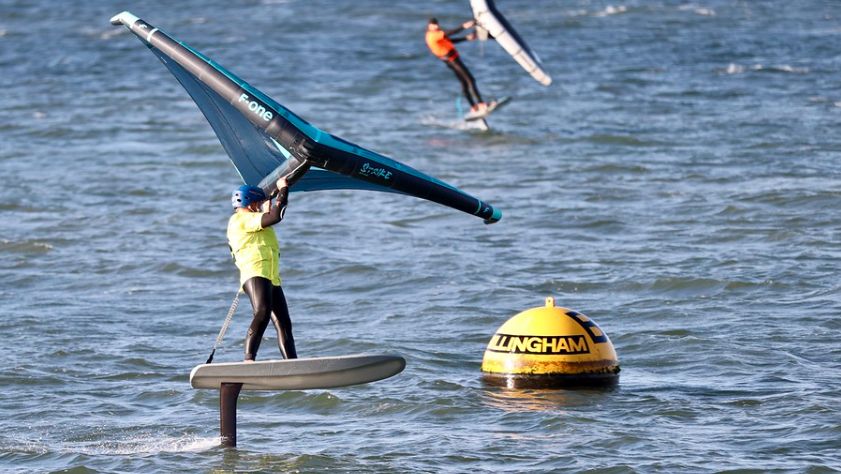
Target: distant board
(299, 374)
(470, 116)
(489, 18)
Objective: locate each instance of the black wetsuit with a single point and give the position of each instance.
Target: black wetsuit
(468, 83)
(268, 301)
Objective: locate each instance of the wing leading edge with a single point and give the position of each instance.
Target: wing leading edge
(265, 140)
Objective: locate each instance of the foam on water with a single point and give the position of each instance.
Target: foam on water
(145, 444)
(784, 68)
(611, 10)
(697, 9)
(433, 121)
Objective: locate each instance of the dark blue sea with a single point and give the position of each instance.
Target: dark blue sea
(679, 183)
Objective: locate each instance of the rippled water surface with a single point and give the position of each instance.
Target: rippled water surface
(679, 183)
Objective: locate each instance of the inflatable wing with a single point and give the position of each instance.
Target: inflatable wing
(265, 140)
(490, 19)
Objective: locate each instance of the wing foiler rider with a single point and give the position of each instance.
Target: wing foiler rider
(440, 43)
(254, 247)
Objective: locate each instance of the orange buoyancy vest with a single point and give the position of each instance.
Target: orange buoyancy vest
(440, 45)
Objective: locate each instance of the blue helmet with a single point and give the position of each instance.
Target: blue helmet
(245, 195)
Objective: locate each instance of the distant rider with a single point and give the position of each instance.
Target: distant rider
(254, 246)
(441, 45)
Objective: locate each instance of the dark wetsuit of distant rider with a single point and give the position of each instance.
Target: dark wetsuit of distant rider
(441, 45)
(254, 246)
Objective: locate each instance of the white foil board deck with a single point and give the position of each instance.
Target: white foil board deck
(493, 105)
(299, 374)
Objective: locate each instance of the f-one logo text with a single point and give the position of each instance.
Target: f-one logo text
(256, 108)
(576, 344)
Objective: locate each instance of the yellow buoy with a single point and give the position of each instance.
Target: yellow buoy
(549, 347)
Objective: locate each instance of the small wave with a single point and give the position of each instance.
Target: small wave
(18, 446)
(784, 68)
(454, 124)
(575, 13)
(145, 444)
(787, 68)
(193, 272)
(26, 247)
(8, 206)
(687, 286)
(319, 400)
(617, 168)
(608, 139)
(611, 10)
(697, 9)
(733, 69)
